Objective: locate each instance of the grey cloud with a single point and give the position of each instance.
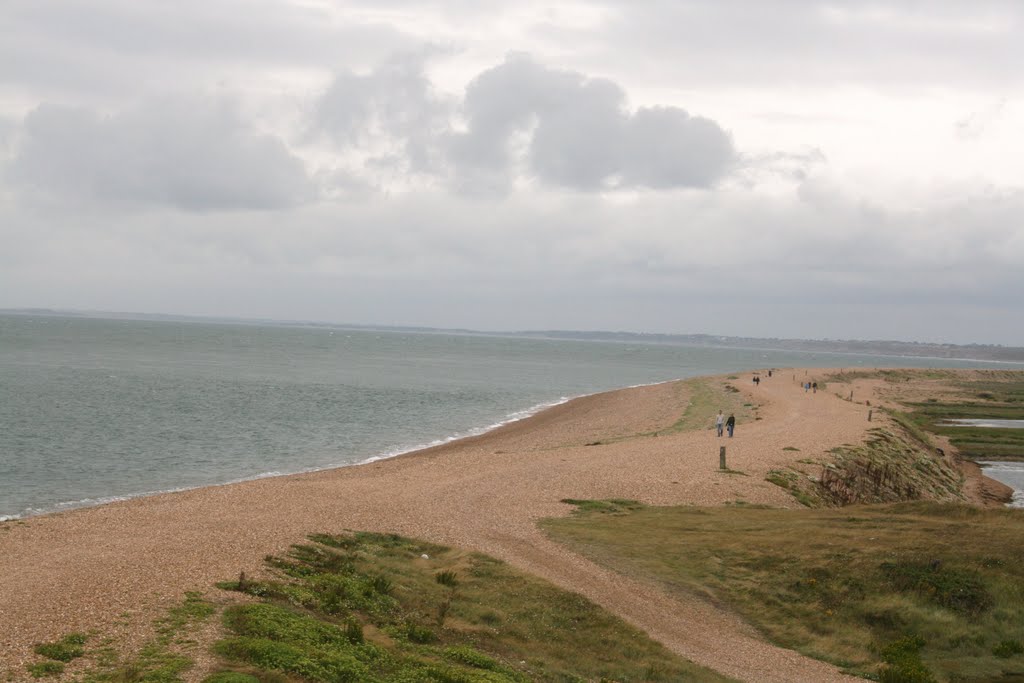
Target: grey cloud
(521, 118)
(733, 261)
(393, 102)
(114, 48)
(195, 154)
(666, 147)
(579, 134)
(8, 127)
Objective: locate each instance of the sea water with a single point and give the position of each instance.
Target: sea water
(1011, 474)
(94, 410)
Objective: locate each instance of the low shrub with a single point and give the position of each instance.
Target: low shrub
(447, 578)
(956, 589)
(470, 657)
(1008, 648)
(903, 662)
(419, 634)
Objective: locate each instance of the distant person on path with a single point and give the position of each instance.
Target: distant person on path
(807, 386)
(815, 387)
(719, 422)
(730, 424)
(769, 373)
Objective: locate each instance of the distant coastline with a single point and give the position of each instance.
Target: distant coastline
(980, 352)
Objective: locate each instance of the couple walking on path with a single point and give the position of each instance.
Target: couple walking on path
(730, 424)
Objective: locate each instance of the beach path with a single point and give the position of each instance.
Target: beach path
(115, 567)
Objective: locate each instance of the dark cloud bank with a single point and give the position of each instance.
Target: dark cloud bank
(517, 120)
(195, 154)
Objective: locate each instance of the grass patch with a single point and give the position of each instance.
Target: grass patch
(604, 507)
(46, 669)
(903, 663)
(64, 650)
(458, 617)
(846, 585)
(165, 658)
(794, 482)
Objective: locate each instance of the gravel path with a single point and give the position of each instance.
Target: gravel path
(112, 568)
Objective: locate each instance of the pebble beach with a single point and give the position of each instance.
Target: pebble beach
(111, 569)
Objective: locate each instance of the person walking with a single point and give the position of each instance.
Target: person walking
(719, 422)
(730, 424)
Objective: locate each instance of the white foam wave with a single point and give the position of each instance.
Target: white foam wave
(64, 506)
(509, 419)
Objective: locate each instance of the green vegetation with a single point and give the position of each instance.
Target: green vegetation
(999, 397)
(889, 467)
(903, 663)
(379, 607)
(903, 592)
(995, 394)
(892, 465)
(605, 507)
(46, 668)
(895, 376)
(165, 658)
(57, 654)
(64, 650)
(1008, 648)
(794, 482)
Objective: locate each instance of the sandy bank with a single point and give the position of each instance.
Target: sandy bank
(112, 568)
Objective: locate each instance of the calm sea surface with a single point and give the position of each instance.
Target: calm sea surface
(94, 410)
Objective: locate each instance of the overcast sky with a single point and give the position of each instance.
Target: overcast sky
(788, 168)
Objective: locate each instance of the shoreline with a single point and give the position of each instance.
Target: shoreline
(511, 418)
(515, 416)
(80, 569)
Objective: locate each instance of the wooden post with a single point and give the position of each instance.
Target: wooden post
(721, 458)
(869, 415)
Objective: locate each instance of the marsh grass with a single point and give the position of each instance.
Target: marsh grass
(997, 394)
(1001, 397)
(838, 584)
(497, 626)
